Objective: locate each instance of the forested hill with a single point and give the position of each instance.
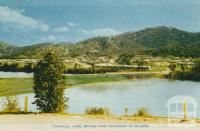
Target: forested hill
(6, 48)
(158, 41)
(152, 41)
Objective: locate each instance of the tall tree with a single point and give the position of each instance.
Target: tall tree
(49, 83)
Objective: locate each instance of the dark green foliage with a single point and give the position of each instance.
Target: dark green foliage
(49, 83)
(30, 67)
(85, 71)
(125, 59)
(141, 62)
(196, 70)
(172, 68)
(97, 69)
(192, 73)
(177, 49)
(17, 67)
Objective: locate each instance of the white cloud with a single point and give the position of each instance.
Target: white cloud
(71, 24)
(50, 38)
(16, 18)
(101, 32)
(62, 29)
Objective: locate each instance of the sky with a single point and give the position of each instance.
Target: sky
(26, 22)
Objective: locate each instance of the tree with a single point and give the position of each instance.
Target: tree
(49, 83)
(172, 68)
(141, 62)
(76, 66)
(183, 67)
(93, 68)
(124, 59)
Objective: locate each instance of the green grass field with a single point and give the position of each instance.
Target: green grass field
(85, 79)
(15, 86)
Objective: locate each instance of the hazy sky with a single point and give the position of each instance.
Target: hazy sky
(26, 22)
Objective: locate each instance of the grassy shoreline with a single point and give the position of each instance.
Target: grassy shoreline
(16, 86)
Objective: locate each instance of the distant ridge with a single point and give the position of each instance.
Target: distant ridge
(157, 41)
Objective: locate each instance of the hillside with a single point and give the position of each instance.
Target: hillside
(32, 51)
(151, 41)
(158, 41)
(6, 49)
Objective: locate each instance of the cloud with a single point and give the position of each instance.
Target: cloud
(71, 24)
(62, 29)
(16, 18)
(101, 32)
(49, 38)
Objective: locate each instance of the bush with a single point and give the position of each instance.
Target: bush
(97, 111)
(11, 104)
(142, 111)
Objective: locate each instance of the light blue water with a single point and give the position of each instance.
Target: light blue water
(15, 74)
(152, 93)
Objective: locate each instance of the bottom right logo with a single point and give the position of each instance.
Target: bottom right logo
(182, 111)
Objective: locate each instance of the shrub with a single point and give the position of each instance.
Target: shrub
(11, 104)
(97, 111)
(142, 111)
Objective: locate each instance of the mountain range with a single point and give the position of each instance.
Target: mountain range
(157, 41)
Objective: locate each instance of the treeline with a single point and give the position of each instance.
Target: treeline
(86, 71)
(98, 70)
(30, 67)
(184, 72)
(17, 67)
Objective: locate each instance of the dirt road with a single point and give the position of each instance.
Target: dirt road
(54, 122)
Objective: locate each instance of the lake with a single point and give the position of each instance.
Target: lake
(15, 74)
(152, 93)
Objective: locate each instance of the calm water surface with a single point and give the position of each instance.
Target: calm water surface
(152, 93)
(15, 74)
